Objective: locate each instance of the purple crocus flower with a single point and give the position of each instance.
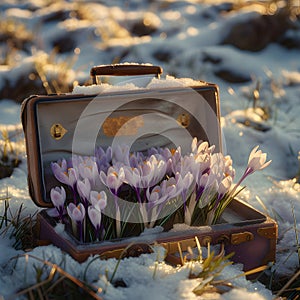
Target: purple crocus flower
(114, 178)
(58, 198)
(173, 158)
(168, 190)
(63, 174)
(120, 154)
(95, 218)
(84, 189)
(88, 169)
(152, 171)
(156, 196)
(77, 215)
(103, 158)
(76, 212)
(135, 159)
(98, 200)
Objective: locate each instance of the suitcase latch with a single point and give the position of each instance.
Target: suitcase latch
(184, 120)
(241, 237)
(57, 131)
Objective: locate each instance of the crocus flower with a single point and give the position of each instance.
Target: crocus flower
(229, 170)
(152, 171)
(84, 189)
(201, 147)
(95, 218)
(183, 166)
(188, 185)
(172, 187)
(135, 159)
(114, 178)
(98, 200)
(58, 198)
(146, 174)
(150, 212)
(200, 196)
(209, 190)
(88, 169)
(63, 174)
(256, 161)
(156, 195)
(224, 187)
(120, 154)
(77, 215)
(60, 166)
(173, 157)
(103, 158)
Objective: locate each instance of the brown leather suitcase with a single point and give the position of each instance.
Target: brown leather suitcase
(59, 126)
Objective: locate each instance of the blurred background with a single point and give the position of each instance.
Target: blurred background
(50, 46)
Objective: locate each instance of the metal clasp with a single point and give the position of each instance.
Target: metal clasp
(57, 131)
(241, 237)
(184, 120)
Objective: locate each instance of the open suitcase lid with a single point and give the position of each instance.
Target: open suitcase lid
(167, 113)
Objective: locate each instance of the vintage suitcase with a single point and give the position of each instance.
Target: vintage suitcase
(159, 115)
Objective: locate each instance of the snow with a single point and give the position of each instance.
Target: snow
(187, 44)
(136, 84)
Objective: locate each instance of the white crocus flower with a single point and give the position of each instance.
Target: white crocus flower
(257, 161)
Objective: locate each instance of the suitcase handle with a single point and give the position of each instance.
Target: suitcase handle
(124, 70)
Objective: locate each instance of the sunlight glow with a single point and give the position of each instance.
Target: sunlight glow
(171, 15)
(192, 31)
(191, 9)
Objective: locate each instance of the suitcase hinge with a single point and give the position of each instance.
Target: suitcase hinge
(267, 232)
(241, 237)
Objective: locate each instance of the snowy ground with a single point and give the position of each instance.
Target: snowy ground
(185, 38)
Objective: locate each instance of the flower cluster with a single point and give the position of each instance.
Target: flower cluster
(160, 187)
